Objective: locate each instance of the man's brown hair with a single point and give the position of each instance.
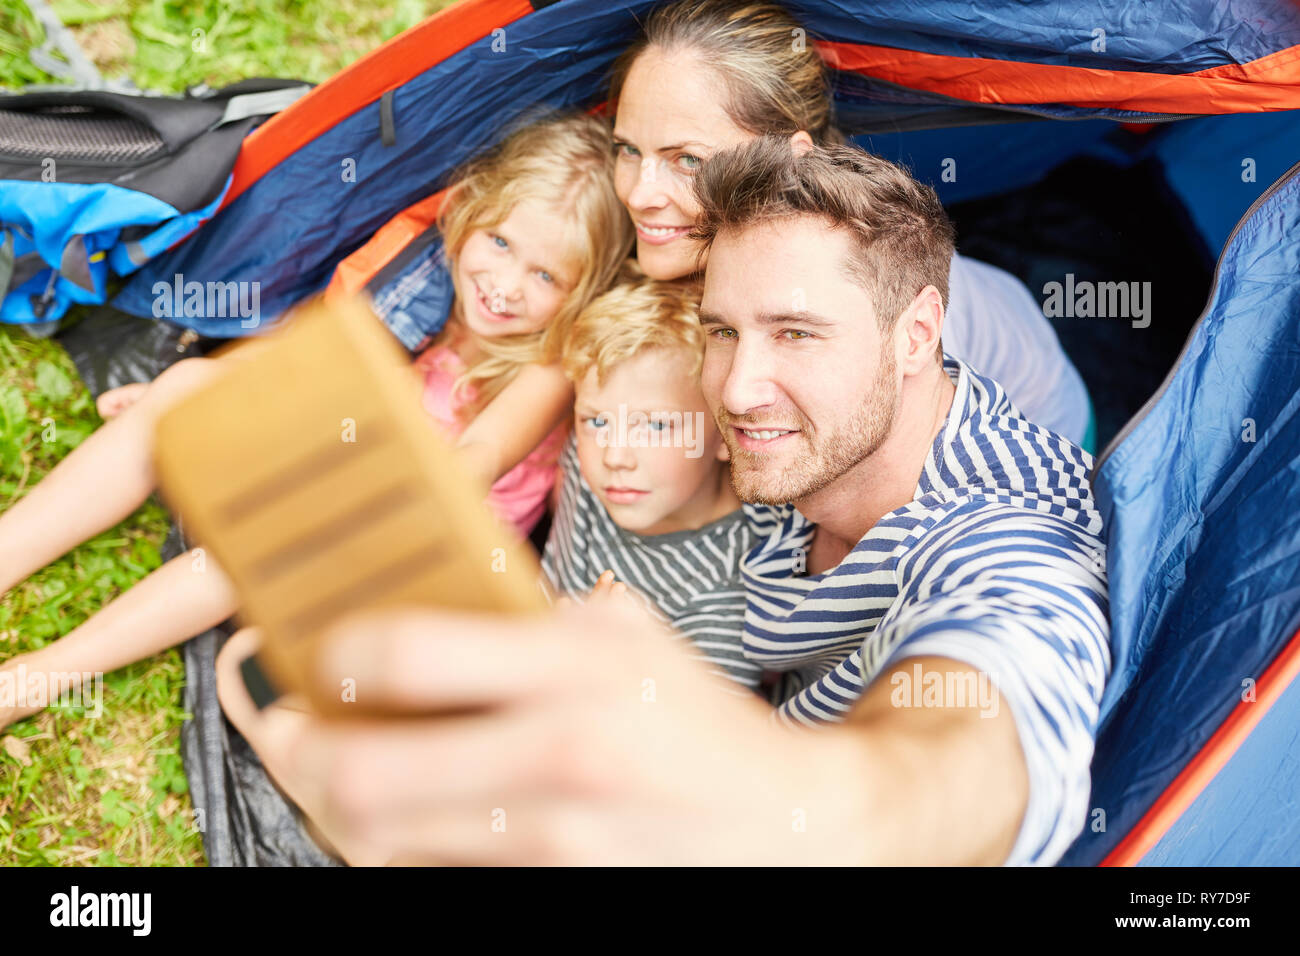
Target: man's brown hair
(902, 238)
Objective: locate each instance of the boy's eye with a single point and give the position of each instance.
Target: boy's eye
(722, 333)
(661, 424)
(597, 421)
(796, 334)
(500, 241)
(545, 276)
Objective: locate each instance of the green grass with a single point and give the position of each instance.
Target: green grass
(166, 46)
(74, 789)
(112, 791)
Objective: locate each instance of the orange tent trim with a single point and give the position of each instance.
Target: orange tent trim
(385, 68)
(1218, 750)
(1269, 83)
(352, 274)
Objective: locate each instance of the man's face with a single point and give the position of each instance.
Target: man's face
(796, 372)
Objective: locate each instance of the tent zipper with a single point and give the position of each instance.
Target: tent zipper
(1214, 285)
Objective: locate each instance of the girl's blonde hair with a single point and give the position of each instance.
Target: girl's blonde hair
(775, 79)
(566, 161)
(636, 315)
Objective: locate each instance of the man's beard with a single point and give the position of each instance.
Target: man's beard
(758, 479)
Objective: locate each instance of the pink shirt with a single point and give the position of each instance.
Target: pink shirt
(519, 496)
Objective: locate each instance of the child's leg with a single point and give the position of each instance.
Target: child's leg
(170, 605)
(102, 481)
(272, 733)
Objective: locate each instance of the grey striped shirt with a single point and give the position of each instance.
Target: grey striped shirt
(688, 579)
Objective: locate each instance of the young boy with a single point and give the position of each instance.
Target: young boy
(645, 488)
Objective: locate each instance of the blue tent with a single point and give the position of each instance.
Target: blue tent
(1192, 105)
(1198, 758)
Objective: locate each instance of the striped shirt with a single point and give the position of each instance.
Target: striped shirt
(996, 562)
(688, 579)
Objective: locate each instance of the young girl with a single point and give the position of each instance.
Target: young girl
(532, 231)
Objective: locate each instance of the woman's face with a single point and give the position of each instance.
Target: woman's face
(670, 120)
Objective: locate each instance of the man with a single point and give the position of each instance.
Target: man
(937, 588)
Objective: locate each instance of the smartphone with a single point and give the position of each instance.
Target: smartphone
(311, 473)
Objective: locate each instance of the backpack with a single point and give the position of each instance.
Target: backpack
(93, 181)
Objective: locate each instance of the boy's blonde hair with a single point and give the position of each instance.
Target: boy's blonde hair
(636, 315)
(566, 161)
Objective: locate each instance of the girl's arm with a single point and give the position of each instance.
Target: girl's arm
(516, 421)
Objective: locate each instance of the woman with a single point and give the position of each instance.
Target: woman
(708, 75)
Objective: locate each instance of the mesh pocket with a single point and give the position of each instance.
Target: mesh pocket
(76, 133)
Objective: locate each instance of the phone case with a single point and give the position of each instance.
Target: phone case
(314, 477)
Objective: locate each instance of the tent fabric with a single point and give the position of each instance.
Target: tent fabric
(454, 83)
(1201, 521)
(1199, 500)
(1247, 814)
(355, 273)
(401, 269)
(1173, 38)
(1271, 81)
(402, 59)
(1193, 36)
(1218, 165)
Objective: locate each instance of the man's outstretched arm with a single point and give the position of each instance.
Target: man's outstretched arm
(947, 777)
(590, 737)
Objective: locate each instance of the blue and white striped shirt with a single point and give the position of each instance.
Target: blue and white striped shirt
(997, 562)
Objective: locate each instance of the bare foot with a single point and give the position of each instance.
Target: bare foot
(117, 400)
(15, 706)
(12, 715)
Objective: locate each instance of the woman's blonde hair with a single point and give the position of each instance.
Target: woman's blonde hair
(636, 315)
(775, 79)
(564, 160)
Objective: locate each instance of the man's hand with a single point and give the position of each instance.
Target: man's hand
(585, 737)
